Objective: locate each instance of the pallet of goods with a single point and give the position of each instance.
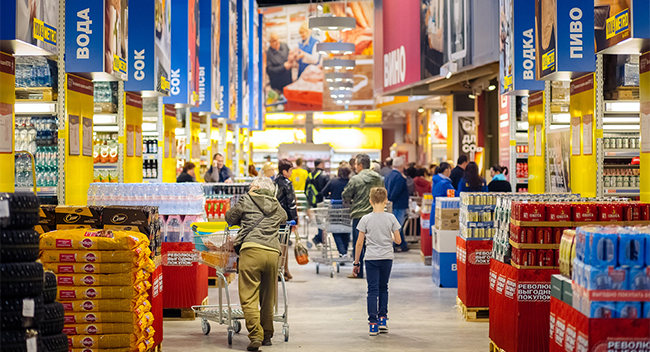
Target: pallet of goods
(443, 242)
(601, 300)
(474, 249)
(103, 279)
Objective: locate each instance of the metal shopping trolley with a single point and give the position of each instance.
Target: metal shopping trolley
(332, 217)
(215, 241)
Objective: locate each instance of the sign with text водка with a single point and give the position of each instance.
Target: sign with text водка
(96, 39)
(517, 59)
(565, 39)
(149, 53)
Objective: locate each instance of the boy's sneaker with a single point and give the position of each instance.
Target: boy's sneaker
(383, 328)
(374, 329)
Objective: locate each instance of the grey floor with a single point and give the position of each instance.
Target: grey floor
(329, 314)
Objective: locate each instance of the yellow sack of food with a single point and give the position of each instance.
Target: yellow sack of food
(138, 300)
(100, 317)
(145, 345)
(89, 268)
(100, 341)
(91, 239)
(98, 329)
(142, 286)
(147, 265)
(99, 305)
(143, 309)
(85, 256)
(126, 279)
(98, 350)
(71, 293)
(145, 321)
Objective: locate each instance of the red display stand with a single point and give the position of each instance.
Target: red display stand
(572, 331)
(519, 306)
(473, 265)
(426, 244)
(156, 300)
(186, 281)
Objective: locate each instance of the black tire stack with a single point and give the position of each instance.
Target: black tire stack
(30, 320)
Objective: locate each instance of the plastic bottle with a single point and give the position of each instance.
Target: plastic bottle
(188, 234)
(173, 229)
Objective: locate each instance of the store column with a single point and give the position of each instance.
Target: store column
(644, 99)
(7, 100)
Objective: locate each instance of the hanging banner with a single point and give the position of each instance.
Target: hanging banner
(644, 99)
(255, 69)
(621, 27)
(401, 48)
(150, 47)
(258, 122)
(583, 160)
(30, 27)
(467, 135)
(294, 79)
(208, 13)
(517, 60)
(565, 38)
(243, 62)
(184, 77)
(96, 38)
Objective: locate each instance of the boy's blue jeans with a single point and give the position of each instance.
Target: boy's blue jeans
(377, 275)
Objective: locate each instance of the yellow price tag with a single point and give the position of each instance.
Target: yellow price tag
(599, 133)
(119, 64)
(164, 84)
(548, 60)
(513, 143)
(44, 32)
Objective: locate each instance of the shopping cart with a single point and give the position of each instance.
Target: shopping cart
(215, 241)
(332, 217)
(303, 214)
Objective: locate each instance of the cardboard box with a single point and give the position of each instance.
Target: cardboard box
(143, 219)
(447, 214)
(447, 225)
(567, 290)
(556, 286)
(73, 217)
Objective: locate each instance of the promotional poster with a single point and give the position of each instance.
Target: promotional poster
(546, 23)
(243, 60)
(458, 29)
(184, 78)
(33, 22)
(294, 77)
(433, 37)
(401, 49)
(233, 78)
(116, 32)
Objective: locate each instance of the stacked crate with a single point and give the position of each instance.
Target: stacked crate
(103, 282)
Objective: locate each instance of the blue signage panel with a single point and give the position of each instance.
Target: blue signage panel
(84, 32)
(180, 66)
(206, 16)
(565, 39)
(149, 47)
(220, 80)
(518, 48)
(257, 78)
(253, 73)
(243, 62)
(30, 27)
(233, 62)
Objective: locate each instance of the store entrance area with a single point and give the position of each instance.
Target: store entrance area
(329, 314)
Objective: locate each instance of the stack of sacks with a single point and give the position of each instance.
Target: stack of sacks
(103, 282)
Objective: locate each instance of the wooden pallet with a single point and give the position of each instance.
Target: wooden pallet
(495, 348)
(175, 314)
(473, 314)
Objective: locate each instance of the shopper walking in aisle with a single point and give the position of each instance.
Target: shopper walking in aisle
(188, 173)
(218, 172)
(287, 198)
(422, 185)
(252, 172)
(353, 166)
(458, 172)
(472, 181)
(387, 168)
(436, 177)
(499, 182)
(259, 215)
(358, 192)
(443, 185)
(398, 194)
(268, 170)
(377, 231)
(299, 176)
(316, 181)
(410, 176)
(333, 190)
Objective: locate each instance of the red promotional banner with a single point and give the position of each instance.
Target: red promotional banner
(519, 304)
(572, 331)
(185, 285)
(401, 56)
(473, 264)
(156, 300)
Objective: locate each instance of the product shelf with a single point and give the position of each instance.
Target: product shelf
(517, 266)
(522, 180)
(621, 153)
(534, 245)
(522, 155)
(106, 166)
(40, 191)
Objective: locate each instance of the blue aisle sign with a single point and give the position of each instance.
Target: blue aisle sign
(518, 60)
(243, 62)
(232, 58)
(32, 28)
(96, 42)
(258, 98)
(622, 28)
(184, 62)
(565, 39)
(253, 73)
(149, 47)
(206, 16)
(220, 80)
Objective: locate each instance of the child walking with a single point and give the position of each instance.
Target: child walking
(377, 230)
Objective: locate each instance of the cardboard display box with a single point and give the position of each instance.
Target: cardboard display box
(74, 217)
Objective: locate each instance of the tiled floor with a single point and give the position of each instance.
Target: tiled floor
(329, 314)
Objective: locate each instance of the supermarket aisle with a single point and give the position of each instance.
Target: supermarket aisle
(330, 315)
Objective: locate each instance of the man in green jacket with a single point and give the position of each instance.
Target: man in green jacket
(358, 191)
(259, 215)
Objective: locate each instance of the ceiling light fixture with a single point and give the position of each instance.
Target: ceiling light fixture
(472, 96)
(421, 110)
(436, 113)
(339, 64)
(492, 87)
(332, 23)
(335, 48)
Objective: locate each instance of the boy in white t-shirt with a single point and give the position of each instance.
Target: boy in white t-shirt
(378, 230)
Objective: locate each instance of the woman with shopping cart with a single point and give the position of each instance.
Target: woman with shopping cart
(259, 215)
